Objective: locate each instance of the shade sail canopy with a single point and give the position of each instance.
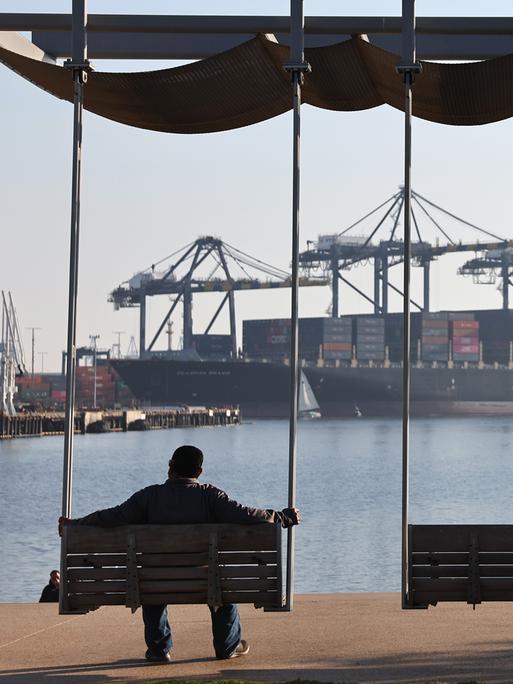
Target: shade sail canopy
(248, 84)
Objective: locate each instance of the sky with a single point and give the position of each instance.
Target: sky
(146, 194)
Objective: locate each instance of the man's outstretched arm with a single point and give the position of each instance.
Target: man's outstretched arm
(133, 511)
(229, 510)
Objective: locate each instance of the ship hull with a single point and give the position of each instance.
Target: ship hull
(262, 389)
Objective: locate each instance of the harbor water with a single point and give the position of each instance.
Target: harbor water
(348, 488)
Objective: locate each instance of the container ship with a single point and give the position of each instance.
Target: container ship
(462, 363)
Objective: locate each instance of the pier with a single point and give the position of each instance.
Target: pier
(94, 421)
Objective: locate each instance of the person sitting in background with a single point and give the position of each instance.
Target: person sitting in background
(50, 593)
(180, 500)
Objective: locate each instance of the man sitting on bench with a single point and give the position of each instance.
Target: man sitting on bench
(180, 500)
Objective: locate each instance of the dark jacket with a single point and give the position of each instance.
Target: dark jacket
(181, 501)
(50, 594)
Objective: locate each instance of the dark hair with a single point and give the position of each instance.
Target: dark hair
(53, 572)
(187, 460)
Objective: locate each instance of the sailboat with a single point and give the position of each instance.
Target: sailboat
(308, 408)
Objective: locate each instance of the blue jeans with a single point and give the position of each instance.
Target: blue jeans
(226, 629)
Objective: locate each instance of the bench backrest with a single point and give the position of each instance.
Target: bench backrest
(170, 564)
(471, 563)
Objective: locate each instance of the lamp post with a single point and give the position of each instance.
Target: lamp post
(33, 329)
(42, 354)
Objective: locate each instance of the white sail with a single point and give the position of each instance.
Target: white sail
(307, 400)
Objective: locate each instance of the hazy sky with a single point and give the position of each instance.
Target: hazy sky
(146, 194)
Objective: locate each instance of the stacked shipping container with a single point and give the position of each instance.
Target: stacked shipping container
(328, 338)
(435, 337)
(465, 337)
(370, 338)
(337, 339)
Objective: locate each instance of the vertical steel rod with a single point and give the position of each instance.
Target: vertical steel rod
(77, 66)
(72, 297)
(296, 66)
(406, 332)
(407, 69)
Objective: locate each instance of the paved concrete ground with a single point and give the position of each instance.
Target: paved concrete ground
(328, 637)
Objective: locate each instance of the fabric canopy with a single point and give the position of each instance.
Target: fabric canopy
(248, 84)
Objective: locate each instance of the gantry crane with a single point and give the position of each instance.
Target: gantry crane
(12, 359)
(486, 268)
(182, 279)
(333, 254)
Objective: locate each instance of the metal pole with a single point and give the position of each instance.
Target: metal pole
(407, 69)
(334, 286)
(296, 68)
(78, 66)
(426, 267)
(505, 281)
(142, 323)
(94, 339)
(377, 282)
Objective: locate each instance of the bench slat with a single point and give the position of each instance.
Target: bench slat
(171, 538)
(234, 571)
(485, 558)
(248, 558)
(262, 598)
(97, 587)
(461, 571)
(451, 538)
(79, 574)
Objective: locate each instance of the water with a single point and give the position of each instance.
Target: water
(348, 489)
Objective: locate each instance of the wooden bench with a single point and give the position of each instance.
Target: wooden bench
(471, 563)
(169, 564)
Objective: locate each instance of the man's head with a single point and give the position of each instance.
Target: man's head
(55, 577)
(186, 461)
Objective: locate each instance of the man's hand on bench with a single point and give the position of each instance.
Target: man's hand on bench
(63, 521)
(290, 517)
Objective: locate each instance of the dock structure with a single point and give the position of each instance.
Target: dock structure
(92, 421)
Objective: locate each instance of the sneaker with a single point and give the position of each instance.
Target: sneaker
(241, 650)
(158, 658)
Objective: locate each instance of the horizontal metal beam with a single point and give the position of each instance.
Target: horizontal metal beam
(164, 46)
(256, 24)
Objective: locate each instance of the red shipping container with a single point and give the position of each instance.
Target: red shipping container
(469, 325)
(466, 349)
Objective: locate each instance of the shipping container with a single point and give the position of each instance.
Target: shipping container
(435, 339)
(337, 346)
(436, 315)
(465, 340)
(431, 332)
(337, 356)
(434, 323)
(465, 332)
(470, 358)
(462, 316)
(468, 348)
(467, 325)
